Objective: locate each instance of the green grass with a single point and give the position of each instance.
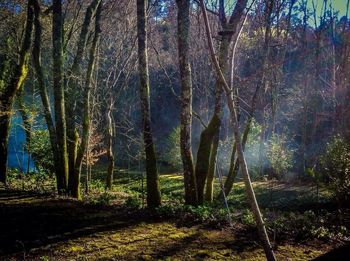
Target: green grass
(270, 194)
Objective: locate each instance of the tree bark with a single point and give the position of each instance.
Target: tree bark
(203, 155)
(9, 92)
(59, 104)
(223, 61)
(183, 26)
(153, 190)
(110, 154)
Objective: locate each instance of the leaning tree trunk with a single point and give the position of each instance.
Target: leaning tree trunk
(183, 26)
(75, 189)
(153, 190)
(249, 188)
(58, 91)
(10, 90)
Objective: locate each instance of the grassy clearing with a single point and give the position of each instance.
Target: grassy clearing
(44, 228)
(109, 225)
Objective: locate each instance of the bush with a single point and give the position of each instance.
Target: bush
(35, 181)
(41, 152)
(104, 199)
(173, 151)
(279, 156)
(134, 202)
(335, 167)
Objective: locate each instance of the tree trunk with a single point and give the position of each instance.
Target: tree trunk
(36, 52)
(75, 189)
(4, 134)
(58, 91)
(229, 29)
(262, 145)
(72, 92)
(223, 61)
(203, 156)
(153, 190)
(209, 187)
(249, 188)
(183, 26)
(10, 90)
(110, 154)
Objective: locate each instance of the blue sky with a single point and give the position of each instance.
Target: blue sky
(338, 5)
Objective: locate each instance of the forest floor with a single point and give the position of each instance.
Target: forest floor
(42, 226)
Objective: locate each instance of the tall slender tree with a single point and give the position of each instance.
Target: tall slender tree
(75, 189)
(58, 87)
(36, 54)
(153, 190)
(73, 81)
(183, 26)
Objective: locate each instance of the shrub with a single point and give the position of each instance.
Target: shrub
(34, 181)
(104, 199)
(279, 156)
(40, 149)
(173, 152)
(134, 202)
(335, 167)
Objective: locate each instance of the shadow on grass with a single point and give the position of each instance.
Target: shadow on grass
(340, 253)
(29, 220)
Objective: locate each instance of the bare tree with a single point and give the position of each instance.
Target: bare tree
(249, 188)
(153, 190)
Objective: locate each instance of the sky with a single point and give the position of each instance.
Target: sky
(338, 5)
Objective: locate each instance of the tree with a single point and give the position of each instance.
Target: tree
(228, 30)
(183, 24)
(234, 165)
(153, 190)
(9, 90)
(75, 187)
(249, 188)
(109, 140)
(58, 87)
(74, 78)
(36, 54)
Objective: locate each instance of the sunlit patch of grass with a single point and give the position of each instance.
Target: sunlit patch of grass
(165, 241)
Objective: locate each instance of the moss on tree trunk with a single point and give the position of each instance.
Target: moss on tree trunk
(153, 190)
(203, 156)
(9, 90)
(183, 24)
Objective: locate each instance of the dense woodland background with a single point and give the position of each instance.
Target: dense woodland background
(103, 89)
